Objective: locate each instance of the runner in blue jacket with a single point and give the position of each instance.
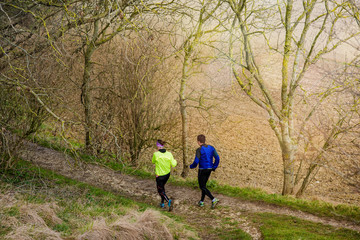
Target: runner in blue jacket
(204, 157)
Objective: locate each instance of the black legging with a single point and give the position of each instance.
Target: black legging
(160, 183)
(203, 177)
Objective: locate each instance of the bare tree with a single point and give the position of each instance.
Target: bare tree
(198, 14)
(20, 116)
(111, 18)
(307, 32)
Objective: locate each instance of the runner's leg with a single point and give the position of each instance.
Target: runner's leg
(160, 183)
(203, 177)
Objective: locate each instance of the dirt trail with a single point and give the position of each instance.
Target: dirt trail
(145, 190)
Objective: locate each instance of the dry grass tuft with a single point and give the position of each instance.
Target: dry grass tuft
(130, 227)
(99, 231)
(35, 214)
(150, 223)
(31, 223)
(147, 225)
(19, 233)
(7, 200)
(28, 215)
(28, 232)
(10, 221)
(48, 213)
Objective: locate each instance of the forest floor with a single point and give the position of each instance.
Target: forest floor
(185, 198)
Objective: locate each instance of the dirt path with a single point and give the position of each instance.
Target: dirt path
(144, 190)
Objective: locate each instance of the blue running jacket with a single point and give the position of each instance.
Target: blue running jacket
(204, 157)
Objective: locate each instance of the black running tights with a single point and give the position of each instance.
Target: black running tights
(160, 184)
(203, 177)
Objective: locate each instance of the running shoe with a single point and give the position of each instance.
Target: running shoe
(214, 203)
(170, 205)
(200, 204)
(162, 205)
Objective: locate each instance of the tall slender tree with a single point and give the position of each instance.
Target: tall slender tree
(194, 34)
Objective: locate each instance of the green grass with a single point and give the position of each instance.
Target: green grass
(230, 230)
(319, 208)
(274, 226)
(13, 212)
(65, 228)
(234, 233)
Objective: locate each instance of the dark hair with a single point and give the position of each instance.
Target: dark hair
(161, 142)
(201, 138)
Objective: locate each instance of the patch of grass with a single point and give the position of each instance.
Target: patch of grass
(235, 233)
(274, 226)
(222, 227)
(64, 228)
(4, 230)
(230, 230)
(319, 208)
(13, 212)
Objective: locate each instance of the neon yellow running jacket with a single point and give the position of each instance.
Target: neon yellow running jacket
(163, 162)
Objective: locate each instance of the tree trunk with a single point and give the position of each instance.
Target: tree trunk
(86, 99)
(288, 161)
(86, 88)
(184, 120)
(288, 155)
(306, 180)
(184, 136)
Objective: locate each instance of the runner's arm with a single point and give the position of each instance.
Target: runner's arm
(153, 158)
(197, 159)
(217, 159)
(173, 161)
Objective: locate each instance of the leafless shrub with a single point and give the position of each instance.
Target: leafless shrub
(345, 149)
(133, 99)
(331, 140)
(20, 116)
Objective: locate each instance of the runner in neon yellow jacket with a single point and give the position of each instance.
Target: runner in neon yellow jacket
(163, 161)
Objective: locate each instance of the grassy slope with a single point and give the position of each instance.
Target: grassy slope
(80, 204)
(77, 205)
